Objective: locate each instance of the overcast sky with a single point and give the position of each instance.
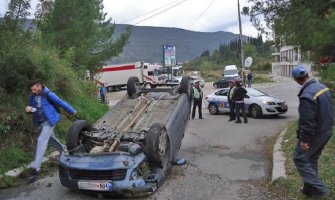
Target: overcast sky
(221, 15)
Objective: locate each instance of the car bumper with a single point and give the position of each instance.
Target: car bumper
(275, 110)
(109, 174)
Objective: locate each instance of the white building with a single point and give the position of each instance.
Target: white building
(285, 58)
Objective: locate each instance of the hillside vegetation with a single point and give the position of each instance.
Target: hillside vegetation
(229, 54)
(58, 55)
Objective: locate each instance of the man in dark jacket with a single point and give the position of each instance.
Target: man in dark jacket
(316, 119)
(43, 106)
(197, 99)
(230, 100)
(238, 97)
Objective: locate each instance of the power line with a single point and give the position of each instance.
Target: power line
(154, 15)
(154, 10)
(161, 12)
(209, 5)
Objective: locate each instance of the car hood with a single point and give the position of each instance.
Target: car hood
(270, 98)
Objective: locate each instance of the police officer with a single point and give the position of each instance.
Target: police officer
(238, 97)
(316, 119)
(231, 101)
(197, 99)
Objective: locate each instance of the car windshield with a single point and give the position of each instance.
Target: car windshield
(255, 93)
(230, 72)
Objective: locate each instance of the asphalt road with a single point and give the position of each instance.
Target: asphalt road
(225, 161)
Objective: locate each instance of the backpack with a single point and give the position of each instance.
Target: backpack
(51, 102)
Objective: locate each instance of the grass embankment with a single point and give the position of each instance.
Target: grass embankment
(290, 186)
(18, 136)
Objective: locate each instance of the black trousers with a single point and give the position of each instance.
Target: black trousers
(240, 107)
(103, 98)
(197, 103)
(232, 115)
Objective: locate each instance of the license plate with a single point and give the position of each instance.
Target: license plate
(284, 107)
(95, 185)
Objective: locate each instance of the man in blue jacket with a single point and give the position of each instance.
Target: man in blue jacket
(316, 119)
(43, 105)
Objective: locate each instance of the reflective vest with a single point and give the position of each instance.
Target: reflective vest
(196, 93)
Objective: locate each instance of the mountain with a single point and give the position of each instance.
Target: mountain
(146, 43)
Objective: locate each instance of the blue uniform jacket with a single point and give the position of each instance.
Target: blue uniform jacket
(316, 114)
(49, 110)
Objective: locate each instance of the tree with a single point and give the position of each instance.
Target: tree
(17, 10)
(81, 32)
(309, 24)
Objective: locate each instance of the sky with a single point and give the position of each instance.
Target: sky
(195, 15)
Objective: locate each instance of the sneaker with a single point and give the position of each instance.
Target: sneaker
(33, 176)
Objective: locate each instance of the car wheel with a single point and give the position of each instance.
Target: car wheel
(133, 86)
(256, 111)
(157, 146)
(213, 109)
(75, 136)
(185, 86)
(215, 85)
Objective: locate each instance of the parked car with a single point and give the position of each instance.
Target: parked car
(224, 81)
(197, 78)
(230, 71)
(257, 103)
(129, 151)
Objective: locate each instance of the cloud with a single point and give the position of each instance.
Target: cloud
(221, 16)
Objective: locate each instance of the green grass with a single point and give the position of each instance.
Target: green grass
(261, 78)
(290, 186)
(19, 137)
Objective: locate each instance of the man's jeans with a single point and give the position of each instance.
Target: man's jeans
(46, 135)
(307, 162)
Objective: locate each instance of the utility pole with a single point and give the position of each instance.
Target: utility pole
(240, 26)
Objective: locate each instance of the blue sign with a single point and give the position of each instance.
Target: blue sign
(169, 55)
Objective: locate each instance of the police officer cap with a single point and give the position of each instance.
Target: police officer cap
(299, 71)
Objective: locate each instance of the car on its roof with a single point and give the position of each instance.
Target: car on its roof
(223, 82)
(197, 78)
(257, 103)
(130, 150)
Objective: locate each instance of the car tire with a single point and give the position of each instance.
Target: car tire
(256, 111)
(157, 146)
(132, 86)
(215, 85)
(74, 137)
(213, 109)
(185, 87)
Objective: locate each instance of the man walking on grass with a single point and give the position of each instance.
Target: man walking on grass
(316, 119)
(43, 105)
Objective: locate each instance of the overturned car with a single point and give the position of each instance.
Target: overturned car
(130, 150)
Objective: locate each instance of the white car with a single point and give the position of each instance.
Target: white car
(257, 103)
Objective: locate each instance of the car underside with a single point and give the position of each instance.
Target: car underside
(129, 151)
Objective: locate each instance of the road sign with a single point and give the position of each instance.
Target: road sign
(169, 55)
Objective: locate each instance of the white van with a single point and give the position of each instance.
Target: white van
(230, 71)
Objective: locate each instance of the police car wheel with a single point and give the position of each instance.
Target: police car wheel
(213, 109)
(256, 111)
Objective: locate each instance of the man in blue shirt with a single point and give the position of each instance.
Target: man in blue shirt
(43, 105)
(316, 119)
(103, 93)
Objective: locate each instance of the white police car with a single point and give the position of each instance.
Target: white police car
(257, 103)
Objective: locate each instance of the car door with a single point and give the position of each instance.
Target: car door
(222, 97)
